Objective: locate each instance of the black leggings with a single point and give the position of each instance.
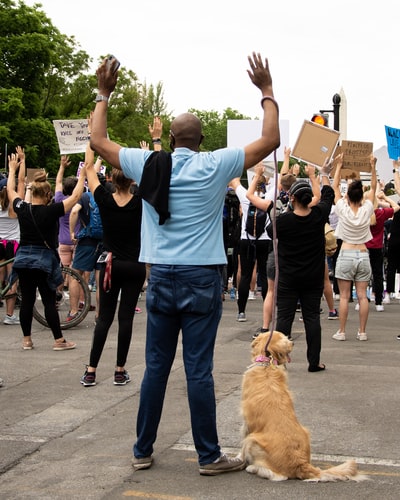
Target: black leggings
(127, 277)
(251, 252)
(29, 281)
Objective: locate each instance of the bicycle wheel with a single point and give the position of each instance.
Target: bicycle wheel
(63, 305)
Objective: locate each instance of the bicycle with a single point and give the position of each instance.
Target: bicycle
(62, 299)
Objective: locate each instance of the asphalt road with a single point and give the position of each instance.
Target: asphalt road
(59, 440)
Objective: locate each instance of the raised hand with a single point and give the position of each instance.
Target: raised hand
(156, 129)
(106, 76)
(259, 74)
(64, 161)
(20, 153)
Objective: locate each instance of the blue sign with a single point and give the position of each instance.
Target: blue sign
(393, 142)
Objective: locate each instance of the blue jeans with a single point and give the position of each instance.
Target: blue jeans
(186, 298)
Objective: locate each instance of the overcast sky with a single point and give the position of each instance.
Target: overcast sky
(199, 50)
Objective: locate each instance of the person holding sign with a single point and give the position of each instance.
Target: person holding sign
(353, 265)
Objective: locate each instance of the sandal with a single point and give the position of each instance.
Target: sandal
(27, 345)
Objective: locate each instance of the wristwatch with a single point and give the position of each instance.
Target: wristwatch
(100, 98)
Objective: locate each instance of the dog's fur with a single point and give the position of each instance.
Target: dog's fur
(275, 445)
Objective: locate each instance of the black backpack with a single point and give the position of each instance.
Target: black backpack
(256, 221)
(231, 220)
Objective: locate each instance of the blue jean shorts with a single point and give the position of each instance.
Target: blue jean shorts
(353, 265)
(85, 258)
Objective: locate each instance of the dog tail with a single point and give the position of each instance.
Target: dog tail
(346, 471)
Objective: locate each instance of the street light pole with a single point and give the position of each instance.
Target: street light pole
(336, 99)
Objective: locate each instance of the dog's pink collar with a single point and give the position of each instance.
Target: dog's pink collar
(266, 359)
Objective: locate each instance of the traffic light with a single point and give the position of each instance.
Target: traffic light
(320, 119)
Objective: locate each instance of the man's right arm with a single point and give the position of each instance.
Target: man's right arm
(99, 141)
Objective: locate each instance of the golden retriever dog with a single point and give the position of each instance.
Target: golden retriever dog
(275, 445)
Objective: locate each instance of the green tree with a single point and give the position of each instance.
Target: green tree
(37, 66)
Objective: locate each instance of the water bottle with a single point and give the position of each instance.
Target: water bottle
(233, 293)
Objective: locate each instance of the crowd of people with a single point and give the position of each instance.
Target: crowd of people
(176, 244)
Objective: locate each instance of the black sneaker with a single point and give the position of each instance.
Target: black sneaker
(121, 378)
(398, 337)
(88, 379)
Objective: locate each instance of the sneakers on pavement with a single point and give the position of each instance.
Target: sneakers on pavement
(339, 335)
(88, 378)
(252, 295)
(361, 336)
(70, 316)
(333, 314)
(121, 378)
(142, 463)
(386, 298)
(221, 465)
(11, 320)
(398, 337)
(379, 308)
(63, 345)
(241, 317)
(357, 307)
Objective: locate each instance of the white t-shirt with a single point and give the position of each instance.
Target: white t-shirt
(245, 203)
(353, 227)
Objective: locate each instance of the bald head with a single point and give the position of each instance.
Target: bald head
(186, 131)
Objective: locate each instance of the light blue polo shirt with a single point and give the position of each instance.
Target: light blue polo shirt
(193, 233)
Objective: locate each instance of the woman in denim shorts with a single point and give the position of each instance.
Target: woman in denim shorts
(354, 212)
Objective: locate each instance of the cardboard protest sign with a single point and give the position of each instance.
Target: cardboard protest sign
(315, 143)
(393, 142)
(72, 135)
(356, 155)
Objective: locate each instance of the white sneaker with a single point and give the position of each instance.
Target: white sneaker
(386, 299)
(336, 296)
(361, 336)
(339, 335)
(11, 320)
(357, 308)
(251, 295)
(379, 308)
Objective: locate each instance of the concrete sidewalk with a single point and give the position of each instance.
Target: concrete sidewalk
(59, 440)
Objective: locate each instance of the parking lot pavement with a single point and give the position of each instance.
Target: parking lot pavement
(59, 440)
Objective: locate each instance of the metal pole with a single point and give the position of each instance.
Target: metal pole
(336, 106)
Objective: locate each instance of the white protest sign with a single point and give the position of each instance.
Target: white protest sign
(72, 135)
(243, 132)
